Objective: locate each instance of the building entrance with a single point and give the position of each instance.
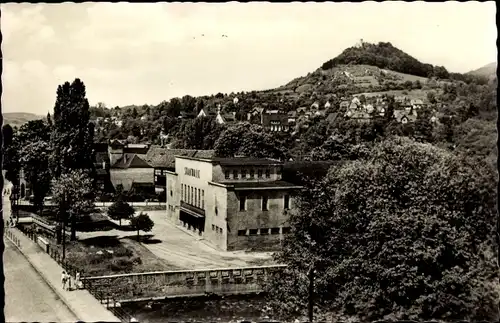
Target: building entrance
(193, 221)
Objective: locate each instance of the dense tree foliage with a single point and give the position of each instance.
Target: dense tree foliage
(73, 192)
(11, 163)
(199, 133)
(250, 141)
(143, 222)
(405, 233)
(120, 210)
(35, 162)
(72, 134)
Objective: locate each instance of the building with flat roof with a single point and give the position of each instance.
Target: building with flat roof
(233, 203)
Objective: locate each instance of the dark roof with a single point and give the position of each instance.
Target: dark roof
(165, 158)
(293, 171)
(236, 161)
(228, 117)
(210, 111)
(101, 147)
(131, 161)
(116, 143)
(267, 118)
(187, 115)
(260, 185)
(142, 187)
(136, 150)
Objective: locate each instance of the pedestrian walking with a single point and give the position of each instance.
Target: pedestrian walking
(63, 279)
(77, 280)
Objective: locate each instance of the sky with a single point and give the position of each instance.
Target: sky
(130, 53)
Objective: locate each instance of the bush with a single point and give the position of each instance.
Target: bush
(121, 264)
(123, 252)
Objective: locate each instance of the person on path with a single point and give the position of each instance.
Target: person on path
(63, 279)
(77, 280)
(68, 277)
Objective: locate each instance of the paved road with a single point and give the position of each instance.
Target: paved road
(184, 251)
(27, 296)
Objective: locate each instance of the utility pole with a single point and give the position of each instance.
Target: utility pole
(310, 274)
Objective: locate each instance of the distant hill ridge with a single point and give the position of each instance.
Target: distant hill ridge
(485, 71)
(385, 56)
(17, 119)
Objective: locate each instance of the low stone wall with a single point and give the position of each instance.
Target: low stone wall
(222, 281)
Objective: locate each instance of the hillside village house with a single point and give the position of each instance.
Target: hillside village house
(234, 203)
(217, 113)
(275, 120)
(128, 165)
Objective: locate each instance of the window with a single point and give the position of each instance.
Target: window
(285, 230)
(252, 173)
(192, 195)
(202, 199)
(182, 192)
(199, 198)
(287, 202)
(220, 230)
(243, 173)
(213, 227)
(264, 203)
(264, 231)
(275, 230)
(268, 173)
(259, 173)
(253, 232)
(195, 197)
(242, 232)
(227, 174)
(235, 174)
(243, 202)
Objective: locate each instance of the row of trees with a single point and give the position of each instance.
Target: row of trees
(56, 155)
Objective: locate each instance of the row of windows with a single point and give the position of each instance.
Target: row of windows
(192, 195)
(264, 202)
(216, 229)
(251, 174)
(263, 231)
(160, 172)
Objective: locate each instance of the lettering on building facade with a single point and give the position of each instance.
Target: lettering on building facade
(191, 172)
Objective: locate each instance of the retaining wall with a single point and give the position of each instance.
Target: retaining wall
(222, 281)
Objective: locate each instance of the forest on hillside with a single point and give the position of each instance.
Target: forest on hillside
(385, 55)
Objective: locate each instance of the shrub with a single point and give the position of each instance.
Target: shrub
(121, 264)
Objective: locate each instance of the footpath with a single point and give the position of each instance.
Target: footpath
(85, 307)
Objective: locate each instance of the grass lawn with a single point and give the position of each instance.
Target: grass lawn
(108, 255)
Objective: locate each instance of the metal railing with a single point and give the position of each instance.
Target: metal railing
(104, 298)
(107, 300)
(12, 237)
